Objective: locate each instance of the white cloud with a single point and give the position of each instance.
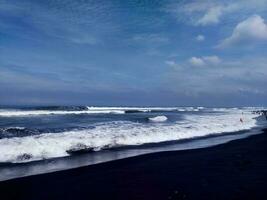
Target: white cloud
(196, 61)
(210, 12)
(214, 12)
(212, 59)
(228, 76)
(200, 38)
(205, 60)
(251, 29)
(212, 16)
(173, 64)
(199, 13)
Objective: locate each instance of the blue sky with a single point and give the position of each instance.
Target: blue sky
(162, 52)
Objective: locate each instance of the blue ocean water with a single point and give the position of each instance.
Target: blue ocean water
(41, 139)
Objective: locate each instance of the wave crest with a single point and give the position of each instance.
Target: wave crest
(120, 133)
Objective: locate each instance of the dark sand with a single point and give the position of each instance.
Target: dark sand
(236, 170)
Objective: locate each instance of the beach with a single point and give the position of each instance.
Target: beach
(133, 100)
(234, 170)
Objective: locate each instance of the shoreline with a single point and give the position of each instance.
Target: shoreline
(234, 170)
(9, 171)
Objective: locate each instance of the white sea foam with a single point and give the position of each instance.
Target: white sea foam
(17, 113)
(133, 108)
(122, 133)
(158, 119)
(140, 109)
(91, 110)
(223, 109)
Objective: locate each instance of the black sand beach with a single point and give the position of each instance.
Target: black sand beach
(236, 170)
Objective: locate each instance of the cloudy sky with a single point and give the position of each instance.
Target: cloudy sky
(138, 52)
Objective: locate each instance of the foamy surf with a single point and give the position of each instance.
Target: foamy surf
(114, 134)
(158, 119)
(18, 113)
(90, 110)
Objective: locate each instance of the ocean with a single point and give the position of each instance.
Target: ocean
(36, 140)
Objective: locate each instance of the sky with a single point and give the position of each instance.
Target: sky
(134, 53)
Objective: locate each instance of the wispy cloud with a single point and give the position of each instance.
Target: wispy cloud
(173, 64)
(212, 16)
(212, 12)
(200, 38)
(106, 46)
(229, 79)
(195, 61)
(199, 12)
(77, 23)
(151, 38)
(204, 61)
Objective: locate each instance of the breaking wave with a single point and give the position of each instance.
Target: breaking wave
(119, 133)
(21, 113)
(77, 110)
